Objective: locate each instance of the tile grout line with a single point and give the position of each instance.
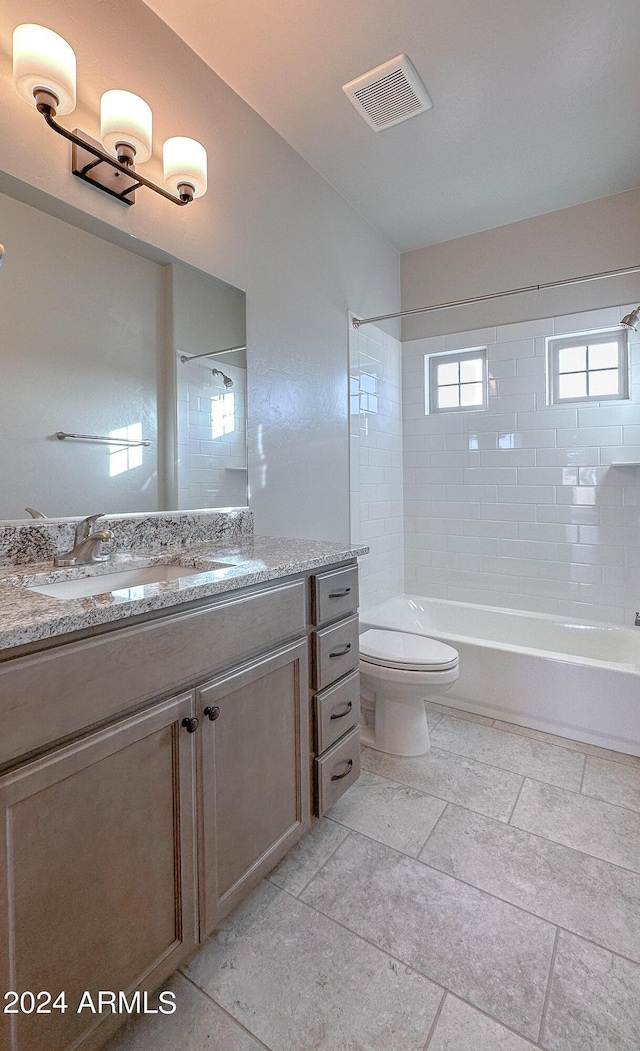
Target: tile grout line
(325, 862)
(235, 1021)
(465, 883)
(513, 808)
(435, 1021)
(545, 1006)
(550, 744)
(584, 770)
(516, 773)
(437, 822)
(412, 967)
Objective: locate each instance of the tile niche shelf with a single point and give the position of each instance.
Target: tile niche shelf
(625, 463)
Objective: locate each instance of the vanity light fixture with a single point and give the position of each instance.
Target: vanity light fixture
(44, 72)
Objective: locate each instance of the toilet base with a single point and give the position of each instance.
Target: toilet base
(400, 727)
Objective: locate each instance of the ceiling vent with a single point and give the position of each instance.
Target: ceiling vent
(388, 94)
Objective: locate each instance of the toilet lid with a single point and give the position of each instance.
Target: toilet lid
(399, 649)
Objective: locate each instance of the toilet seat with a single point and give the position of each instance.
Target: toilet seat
(404, 651)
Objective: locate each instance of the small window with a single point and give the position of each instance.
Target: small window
(589, 367)
(457, 382)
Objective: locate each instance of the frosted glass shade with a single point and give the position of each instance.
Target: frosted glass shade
(42, 59)
(127, 118)
(185, 161)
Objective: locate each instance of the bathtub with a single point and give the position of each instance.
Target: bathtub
(560, 675)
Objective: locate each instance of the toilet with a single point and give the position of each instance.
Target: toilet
(398, 672)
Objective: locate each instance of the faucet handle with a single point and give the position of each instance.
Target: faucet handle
(83, 528)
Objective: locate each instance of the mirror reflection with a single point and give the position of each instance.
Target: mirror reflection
(145, 361)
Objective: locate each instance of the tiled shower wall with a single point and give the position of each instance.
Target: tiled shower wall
(519, 505)
(375, 361)
(212, 455)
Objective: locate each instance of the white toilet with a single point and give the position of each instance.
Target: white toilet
(398, 672)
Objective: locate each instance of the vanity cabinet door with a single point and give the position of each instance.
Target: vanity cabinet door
(97, 872)
(254, 775)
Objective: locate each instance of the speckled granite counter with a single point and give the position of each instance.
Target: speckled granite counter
(27, 617)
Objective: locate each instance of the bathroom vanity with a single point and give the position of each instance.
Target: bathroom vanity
(159, 755)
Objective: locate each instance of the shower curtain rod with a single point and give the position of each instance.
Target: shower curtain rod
(357, 322)
(184, 358)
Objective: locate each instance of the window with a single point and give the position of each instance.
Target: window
(457, 382)
(589, 367)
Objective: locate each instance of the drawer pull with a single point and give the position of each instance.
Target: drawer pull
(345, 711)
(190, 725)
(212, 711)
(341, 653)
(338, 777)
(340, 594)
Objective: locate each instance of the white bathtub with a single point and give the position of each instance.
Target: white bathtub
(567, 677)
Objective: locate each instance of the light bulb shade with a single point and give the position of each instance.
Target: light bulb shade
(185, 161)
(42, 59)
(632, 320)
(126, 118)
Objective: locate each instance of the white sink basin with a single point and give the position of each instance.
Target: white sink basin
(126, 580)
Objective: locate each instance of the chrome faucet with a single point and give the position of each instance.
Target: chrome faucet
(637, 621)
(86, 549)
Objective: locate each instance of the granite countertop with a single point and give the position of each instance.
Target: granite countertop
(27, 617)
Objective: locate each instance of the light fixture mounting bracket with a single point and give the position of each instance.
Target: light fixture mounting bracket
(90, 163)
(86, 166)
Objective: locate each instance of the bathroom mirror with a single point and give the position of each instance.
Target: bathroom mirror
(95, 340)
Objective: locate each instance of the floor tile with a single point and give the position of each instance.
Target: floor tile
(599, 829)
(197, 1024)
(392, 813)
(462, 1028)
(565, 742)
(301, 864)
(450, 777)
(612, 782)
(556, 766)
(482, 949)
(585, 895)
(593, 1001)
(458, 713)
(299, 982)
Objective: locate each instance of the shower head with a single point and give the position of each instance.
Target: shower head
(228, 382)
(632, 320)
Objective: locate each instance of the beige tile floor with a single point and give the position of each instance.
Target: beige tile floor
(485, 897)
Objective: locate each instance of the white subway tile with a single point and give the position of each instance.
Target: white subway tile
(498, 530)
(588, 321)
(524, 330)
(568, 457)
(609, 414)
(567, 437)
(548, 475)
(528, 549)
(489, 475)
(508, 458)
(551, 532)
(479, 337)
(508, 512)
(548, 417)
(531, 494)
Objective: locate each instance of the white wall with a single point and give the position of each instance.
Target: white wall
(376, 462)
(587, 239)
(518, 506)
(269, 224)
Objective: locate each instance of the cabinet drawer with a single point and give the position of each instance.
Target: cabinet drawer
(337, 770)
(48, 696)
(336, 652)
(334, 594)
(337, 710)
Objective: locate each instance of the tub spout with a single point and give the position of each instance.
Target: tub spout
(637, 619)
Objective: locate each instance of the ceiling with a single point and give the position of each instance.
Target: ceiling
(535, 101)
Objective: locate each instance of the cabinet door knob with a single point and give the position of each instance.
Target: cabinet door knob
(338, 777)
(345, 711)
(191, 725)
(212, 711)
